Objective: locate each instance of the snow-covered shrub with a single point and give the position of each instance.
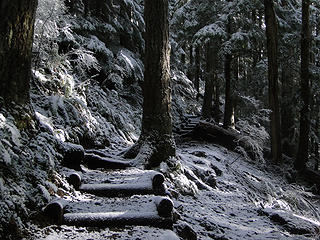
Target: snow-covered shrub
(49, 24)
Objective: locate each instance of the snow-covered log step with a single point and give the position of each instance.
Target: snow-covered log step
(156, 211)
(191, 116)
(94, 161)
(55, 211)
(116, 190)
(107, 219)
(192, 124)
(187, 127)
(193, 121)
(184, 131)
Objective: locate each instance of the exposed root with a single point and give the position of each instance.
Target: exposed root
(151, 151)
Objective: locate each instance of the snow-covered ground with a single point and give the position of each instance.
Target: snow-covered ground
(249, 201)
(216, 192)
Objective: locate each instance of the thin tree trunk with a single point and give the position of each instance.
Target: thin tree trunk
(273, 89)
(16, 27)
(207, 107)
(228, 106)
(191, 64)
(303, 149)
(216, 93)
(287, 111)
(197, 70)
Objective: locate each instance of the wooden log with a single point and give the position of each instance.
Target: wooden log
(155, 187)
(158, 184)
(228, 138)
(157, 180)
(94, 161)
(55, 210)
(117, 190)
(164, 206)
(188, 128)
(75, 180)
(118, 219)
(97, 152)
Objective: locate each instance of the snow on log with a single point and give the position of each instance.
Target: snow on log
(95, 161)
(117, 219)
(115, 190)
(228, 138)
(55, 210)
(75, 180)
(164, 206)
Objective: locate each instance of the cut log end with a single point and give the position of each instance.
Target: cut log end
(157, 180)
(164, 207)
(75, 180)
(54, 211)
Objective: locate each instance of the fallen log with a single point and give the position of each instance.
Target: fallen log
(157, 180)
(116, 190)
(228, 138)
(55, 210)
(75, 180)
(164, 206)
(94, 161)
(118, 219)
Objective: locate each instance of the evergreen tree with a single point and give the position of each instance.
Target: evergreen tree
(156, 130)
(273, 89)
(303, 149)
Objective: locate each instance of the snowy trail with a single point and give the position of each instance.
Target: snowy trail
(237, 208)
(249, 202)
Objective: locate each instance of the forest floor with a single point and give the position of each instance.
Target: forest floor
(250, 201)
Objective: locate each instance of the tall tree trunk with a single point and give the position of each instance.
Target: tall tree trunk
(273, 88)
(207, 107)
(216, 96)
(197, 70)
(191, 64)
(287, 111)
(16, 27)
(156, 134)
(303, 149)
(228, 106)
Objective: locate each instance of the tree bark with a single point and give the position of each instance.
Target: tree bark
(303, 149)
(273, 88)
(207, 107)
(16, 27)
(156, 120)
(197, 69)
(190, 73)
(287, 111)
(228, 106)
